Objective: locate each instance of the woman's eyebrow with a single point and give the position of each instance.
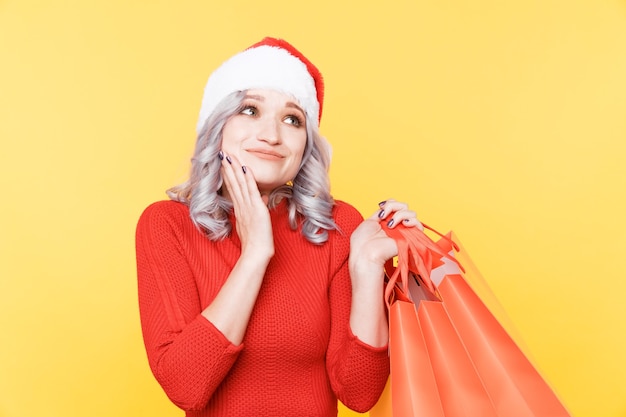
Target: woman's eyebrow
(261, 98)
(254, 97)
(294, 105)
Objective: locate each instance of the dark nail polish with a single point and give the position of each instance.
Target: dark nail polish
(382, 203)
(229, 160)
(220, 155)
(390, 223)
(381, 214)
(244, 169)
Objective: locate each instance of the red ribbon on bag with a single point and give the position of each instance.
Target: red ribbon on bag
(424, 255)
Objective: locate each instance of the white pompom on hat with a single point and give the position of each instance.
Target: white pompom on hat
(269, 64)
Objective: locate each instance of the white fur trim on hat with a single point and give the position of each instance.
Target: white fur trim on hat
(264, 67)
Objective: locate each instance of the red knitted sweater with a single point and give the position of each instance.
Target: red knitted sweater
(298, 355)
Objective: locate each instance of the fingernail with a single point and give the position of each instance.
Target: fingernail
(381, 214)
(244, 169)
(220, 155)
(229, 160)
(382, 203)
(390, 223)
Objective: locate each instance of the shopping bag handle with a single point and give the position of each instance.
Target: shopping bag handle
(417, 253)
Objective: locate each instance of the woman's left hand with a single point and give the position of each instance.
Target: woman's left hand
(370, 246)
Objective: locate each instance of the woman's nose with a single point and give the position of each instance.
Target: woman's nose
(269, 130)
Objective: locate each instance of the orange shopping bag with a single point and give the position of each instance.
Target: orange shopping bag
(450, 356)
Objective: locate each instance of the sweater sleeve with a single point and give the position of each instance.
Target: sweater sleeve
(358, 372)
(188, 356)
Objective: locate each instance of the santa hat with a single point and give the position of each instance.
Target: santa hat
(269, 64)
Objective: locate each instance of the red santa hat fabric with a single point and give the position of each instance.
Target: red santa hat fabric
(269, 64)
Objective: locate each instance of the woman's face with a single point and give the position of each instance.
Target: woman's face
(268, 136)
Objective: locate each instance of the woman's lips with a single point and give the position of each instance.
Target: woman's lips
(265, 154)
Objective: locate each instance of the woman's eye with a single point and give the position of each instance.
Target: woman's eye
(293, 120)
(250, 111)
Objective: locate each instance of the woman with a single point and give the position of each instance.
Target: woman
(259, 294)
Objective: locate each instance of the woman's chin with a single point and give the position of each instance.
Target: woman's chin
(265, 188)
(268, 181)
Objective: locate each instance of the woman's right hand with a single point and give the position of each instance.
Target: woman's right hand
(231, 309)
(254, 226)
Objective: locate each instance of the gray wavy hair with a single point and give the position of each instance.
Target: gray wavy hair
(309, 200)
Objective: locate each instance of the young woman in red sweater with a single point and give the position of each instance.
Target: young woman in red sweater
(259, 294)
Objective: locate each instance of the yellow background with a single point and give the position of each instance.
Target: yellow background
(502, 120)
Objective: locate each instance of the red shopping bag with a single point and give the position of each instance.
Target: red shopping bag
(450, 355)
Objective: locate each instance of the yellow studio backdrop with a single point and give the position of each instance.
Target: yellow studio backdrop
(502, 120)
